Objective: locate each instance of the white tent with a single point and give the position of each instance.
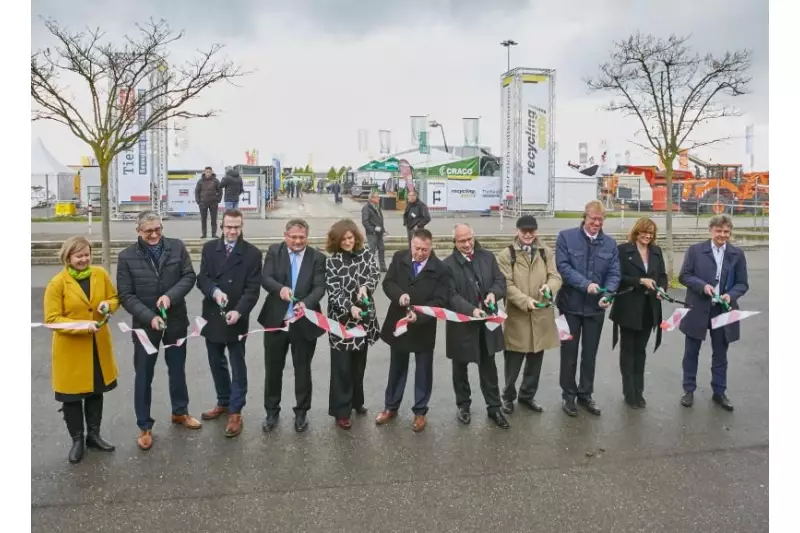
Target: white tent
(50, 180)
(417, 159)
(193, 158)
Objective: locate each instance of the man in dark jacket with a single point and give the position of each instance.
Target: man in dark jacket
(230, 280)
(588, 262)
(415, 277)
(476, 285)
(374, 228)
(294, 278)
(154, 275)
(234, 187)
(207, 194)
(416, 215)
(712, 271)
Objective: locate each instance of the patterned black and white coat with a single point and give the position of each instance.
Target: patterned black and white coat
(345, 273)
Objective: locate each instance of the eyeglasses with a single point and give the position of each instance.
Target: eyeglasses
(231, 228)
(465, 241)
(154, 231)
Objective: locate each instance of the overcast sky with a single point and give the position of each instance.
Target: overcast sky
(326, 68)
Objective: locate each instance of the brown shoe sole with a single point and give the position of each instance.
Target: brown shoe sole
(185, 423)
(209, 416)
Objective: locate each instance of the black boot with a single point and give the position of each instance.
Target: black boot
(73, 416)
(93, 409)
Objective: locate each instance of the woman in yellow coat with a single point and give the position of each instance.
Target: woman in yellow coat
(83, 360)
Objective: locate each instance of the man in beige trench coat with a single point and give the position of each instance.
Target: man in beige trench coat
(529, 267)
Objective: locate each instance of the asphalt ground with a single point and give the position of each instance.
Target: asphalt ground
(665, 468)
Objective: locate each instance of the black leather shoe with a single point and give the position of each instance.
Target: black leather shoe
(500, 419)
(642, 404)
(722, 401)
(361, 410)
(77, 451)
(508, 407)
(300, 422)
(270, 423)
(589, 405)
(531, 404)
(463, 416)
(94, 440)
(569, 407)
(633, 404)
(688, 399)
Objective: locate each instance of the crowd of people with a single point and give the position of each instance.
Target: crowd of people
(586, 274)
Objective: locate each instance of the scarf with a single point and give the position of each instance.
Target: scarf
(155, 250)
(79, 275)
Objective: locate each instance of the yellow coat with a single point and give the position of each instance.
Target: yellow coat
(65, 301)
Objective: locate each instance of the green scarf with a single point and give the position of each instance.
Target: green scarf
(79, 275)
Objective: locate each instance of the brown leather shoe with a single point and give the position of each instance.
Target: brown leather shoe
(234, 426)
(187, 421)
(145, 440)
(420, 421)
(384, 417)
(214, 413)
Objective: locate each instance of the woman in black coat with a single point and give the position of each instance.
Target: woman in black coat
(635, 314)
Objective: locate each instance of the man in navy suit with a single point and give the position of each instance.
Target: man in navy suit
(711, 267)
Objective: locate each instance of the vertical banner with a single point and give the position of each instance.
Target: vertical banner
(363, 141)
(406, 174)
(385, 140)
(535, 141)
(471, 132)
(583, 153)
(509, 113)
(134, 168)
(419, 124)
(424, 148)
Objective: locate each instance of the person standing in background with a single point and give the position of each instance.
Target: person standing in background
(234, 187)
(416, 215)
(374, 227)
(207, 194)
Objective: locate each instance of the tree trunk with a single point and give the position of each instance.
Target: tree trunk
(668, 230)
(105, 211)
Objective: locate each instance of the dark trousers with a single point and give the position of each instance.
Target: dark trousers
(423, 380)
(231, 392)
(719, 360)
(375, 243)
(530, 376)
(487, 372)
(590, 328)
(347, 381)
(144, 366)
(276, 345)
(632, 356)
(204, 211)
(90, 408)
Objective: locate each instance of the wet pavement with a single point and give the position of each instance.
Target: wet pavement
(321, 212)
(665, 468)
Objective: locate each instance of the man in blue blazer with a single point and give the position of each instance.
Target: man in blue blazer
(711, 267)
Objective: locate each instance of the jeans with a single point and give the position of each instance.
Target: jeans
(144, 366)
(232, 205)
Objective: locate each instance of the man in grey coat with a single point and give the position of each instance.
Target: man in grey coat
(372, 220)
(208, 195)
(234, 187)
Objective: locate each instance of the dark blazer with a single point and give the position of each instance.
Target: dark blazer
(140, 284)
(700, 269)
(431, 287)
(372, 218)
(627, 309)
(239, 277)
(470, 282)
(309, 289)
(416, 215)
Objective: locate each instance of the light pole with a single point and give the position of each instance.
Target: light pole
(508, 43)
(434, 124)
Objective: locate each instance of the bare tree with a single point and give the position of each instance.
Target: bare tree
(132, 88)
(671, 90)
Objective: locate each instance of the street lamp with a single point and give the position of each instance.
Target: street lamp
(434, 124)
(508, 43)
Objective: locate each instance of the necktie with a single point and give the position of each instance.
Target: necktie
(471, 256)
(228, 249)
(417, 266)
(294, 282)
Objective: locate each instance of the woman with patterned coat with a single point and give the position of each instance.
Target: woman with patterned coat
(351, 275)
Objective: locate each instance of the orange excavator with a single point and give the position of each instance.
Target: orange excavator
(712, 188)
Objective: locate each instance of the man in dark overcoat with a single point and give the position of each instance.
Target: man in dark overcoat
(711, 268)
(477, 285)
(415, 277)
(230, 280)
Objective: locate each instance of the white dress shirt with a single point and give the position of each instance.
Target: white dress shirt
(719, 255)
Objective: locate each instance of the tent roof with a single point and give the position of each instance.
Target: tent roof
(419, 160)
(43, 163)
(193, 158)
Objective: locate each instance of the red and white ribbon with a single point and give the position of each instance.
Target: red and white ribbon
(319, 320)
(492, 321)
(730, 317)
(671, 324)
(199, 324)
(564, 334)
(63, 325)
